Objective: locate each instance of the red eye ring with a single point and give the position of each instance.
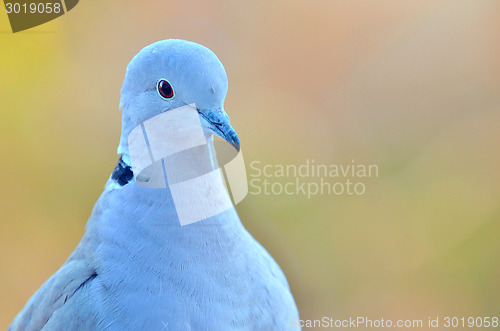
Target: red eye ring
(164, 89)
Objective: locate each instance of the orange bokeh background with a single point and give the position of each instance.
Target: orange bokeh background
(412, 86)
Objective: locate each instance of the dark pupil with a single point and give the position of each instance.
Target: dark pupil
(165, 89)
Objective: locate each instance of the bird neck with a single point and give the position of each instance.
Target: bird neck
(190, 203)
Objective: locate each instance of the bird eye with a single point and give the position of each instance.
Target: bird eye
(165, 89)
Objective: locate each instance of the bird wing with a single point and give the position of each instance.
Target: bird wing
(66, 287)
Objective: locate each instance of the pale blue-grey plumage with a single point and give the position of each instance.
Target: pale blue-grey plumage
(136, 268)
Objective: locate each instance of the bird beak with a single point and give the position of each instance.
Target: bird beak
(217, 122)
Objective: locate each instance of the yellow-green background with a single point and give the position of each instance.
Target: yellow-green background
(413, 86)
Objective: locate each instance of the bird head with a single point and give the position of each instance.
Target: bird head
(169, 74)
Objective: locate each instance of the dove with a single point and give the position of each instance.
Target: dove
(137, 267)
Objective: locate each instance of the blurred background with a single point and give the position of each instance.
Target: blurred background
(412, 86)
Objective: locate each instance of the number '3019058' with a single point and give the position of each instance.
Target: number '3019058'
(33, 8)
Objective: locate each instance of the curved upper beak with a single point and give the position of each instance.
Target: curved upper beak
(217, 121)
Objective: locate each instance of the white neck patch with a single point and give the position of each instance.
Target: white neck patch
(171, 150)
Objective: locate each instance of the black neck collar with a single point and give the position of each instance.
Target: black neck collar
(123, 173)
